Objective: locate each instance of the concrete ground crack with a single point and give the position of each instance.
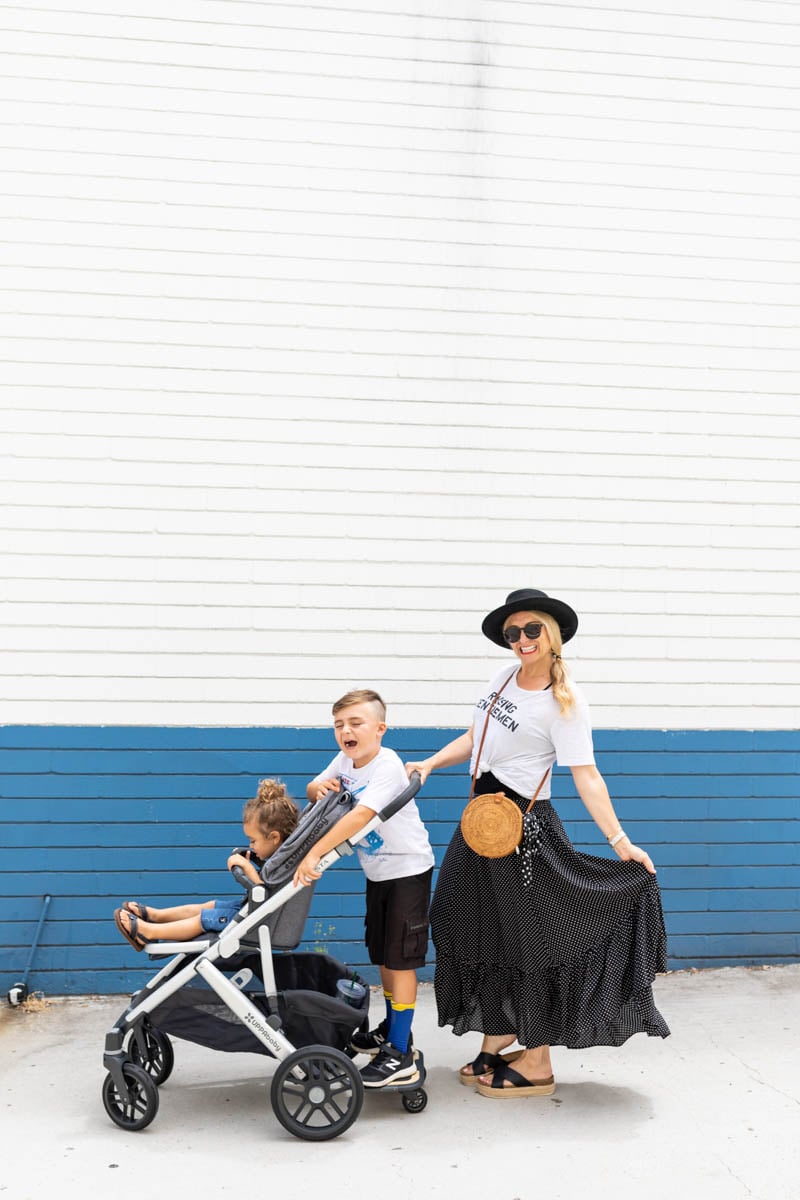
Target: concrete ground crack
(733, 1175)
(755, 1074)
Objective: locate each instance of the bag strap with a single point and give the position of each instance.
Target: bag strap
(497, 696)
(536, 793)
(483, 739)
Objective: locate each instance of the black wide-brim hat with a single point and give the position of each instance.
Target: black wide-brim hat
(530, 600)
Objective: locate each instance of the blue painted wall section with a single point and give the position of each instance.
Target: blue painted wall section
(93, 816)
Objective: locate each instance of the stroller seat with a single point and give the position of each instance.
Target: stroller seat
(286, 923)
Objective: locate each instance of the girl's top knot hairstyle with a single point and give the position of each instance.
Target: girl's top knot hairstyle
(272, 808)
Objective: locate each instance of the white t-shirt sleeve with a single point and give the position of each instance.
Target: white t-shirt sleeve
(333, 769)
(385, 783)
(572, 736)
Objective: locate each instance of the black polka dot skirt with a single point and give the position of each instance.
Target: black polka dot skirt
(557, 947)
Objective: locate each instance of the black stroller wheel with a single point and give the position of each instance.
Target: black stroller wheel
(414, 1102)
(139, 1111)
(317, 1093)
(151, 1049)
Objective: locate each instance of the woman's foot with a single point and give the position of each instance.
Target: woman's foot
(140, 910)
(508, 1084)
(530, 1066)
(490, 1055)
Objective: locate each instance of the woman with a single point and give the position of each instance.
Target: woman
(550, 947)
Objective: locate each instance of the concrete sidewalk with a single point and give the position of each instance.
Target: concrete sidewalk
(712, 1112)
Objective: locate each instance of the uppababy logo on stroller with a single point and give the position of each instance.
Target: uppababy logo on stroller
(265, 1032)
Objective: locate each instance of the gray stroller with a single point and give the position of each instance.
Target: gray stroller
(246, 989)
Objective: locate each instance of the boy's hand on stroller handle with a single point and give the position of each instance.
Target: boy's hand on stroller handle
(320, 787)
(308, 871)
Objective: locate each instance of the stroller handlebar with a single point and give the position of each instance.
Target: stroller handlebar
(408, 793)
(239, 874)
(243, 878)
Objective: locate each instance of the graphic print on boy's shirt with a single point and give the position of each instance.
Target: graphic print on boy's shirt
(373, 842)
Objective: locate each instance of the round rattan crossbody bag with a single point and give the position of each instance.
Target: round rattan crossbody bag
(492, 824)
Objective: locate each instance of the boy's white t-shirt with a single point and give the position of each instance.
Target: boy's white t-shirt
(527, 734)
(401, 847)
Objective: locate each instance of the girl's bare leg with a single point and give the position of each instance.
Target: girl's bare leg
(170, 931)
(181, 912)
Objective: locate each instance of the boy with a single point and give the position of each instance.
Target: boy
(398, 864)
(267, 820)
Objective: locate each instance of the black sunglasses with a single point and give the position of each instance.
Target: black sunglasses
(532, 631)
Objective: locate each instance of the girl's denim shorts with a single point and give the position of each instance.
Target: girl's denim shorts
(215, 919)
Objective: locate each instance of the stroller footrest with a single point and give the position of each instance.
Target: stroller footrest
(162, 949)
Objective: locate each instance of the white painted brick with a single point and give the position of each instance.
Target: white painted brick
(324, 327)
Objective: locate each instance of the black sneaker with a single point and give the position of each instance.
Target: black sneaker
(390, 1065)
(370, 1043)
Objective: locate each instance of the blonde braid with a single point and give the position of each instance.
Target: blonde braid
(562, 690)
(559, 675)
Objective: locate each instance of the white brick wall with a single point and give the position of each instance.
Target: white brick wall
(325, 326)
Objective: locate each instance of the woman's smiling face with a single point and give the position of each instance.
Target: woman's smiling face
(527, 649)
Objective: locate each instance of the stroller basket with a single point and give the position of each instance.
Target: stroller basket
(308, 1006)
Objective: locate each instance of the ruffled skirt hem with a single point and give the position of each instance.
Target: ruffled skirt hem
(601, 999)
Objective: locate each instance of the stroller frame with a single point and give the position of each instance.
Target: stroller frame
(316, 1092)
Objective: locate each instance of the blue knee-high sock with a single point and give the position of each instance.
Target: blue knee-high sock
(400, 1021)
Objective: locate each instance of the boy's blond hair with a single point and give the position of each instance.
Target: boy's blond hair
(361, 696)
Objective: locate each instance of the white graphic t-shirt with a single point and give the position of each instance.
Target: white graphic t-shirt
(527, 734)
(401, 847)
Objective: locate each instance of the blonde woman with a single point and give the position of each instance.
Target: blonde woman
(547, 946)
